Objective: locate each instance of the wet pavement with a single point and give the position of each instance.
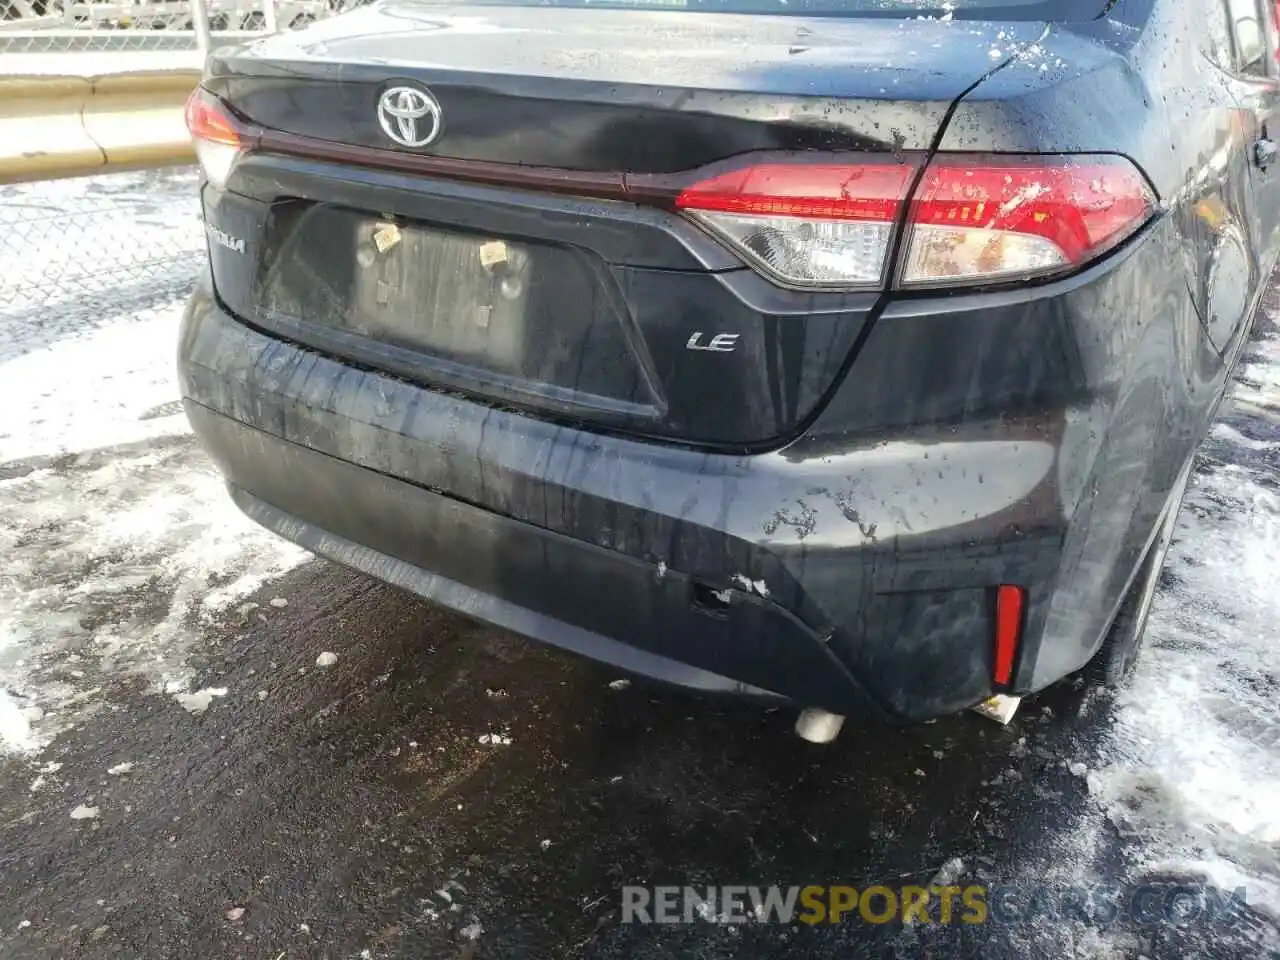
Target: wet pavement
(346, 797)
(356, 808)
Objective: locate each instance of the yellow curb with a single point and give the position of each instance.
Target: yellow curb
(55, 127)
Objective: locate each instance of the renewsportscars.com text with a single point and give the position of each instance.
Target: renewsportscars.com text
(1147, 904)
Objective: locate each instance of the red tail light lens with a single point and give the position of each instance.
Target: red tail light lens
(971, 220)
(1009, 218)
(807, 224)
(218, 136)
(209, 121)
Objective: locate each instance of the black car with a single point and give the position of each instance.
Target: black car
(848, 353)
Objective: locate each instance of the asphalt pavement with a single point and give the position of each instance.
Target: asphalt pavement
(355, 808)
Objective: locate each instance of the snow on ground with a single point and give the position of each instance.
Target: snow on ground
(111, 382)
(114, 560)
(106, 503)
(1188, 772)
(15, 727)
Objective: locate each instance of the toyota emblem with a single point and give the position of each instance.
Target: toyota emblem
(409, 116)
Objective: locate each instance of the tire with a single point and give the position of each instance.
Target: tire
(1115, 660)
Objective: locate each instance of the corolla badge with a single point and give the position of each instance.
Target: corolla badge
(409, 116)
(224, 239)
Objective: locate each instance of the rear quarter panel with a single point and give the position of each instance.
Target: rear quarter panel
(1137, 83)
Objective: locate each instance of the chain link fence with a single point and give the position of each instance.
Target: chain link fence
(70, 246)
(117, 238)
(59, 26)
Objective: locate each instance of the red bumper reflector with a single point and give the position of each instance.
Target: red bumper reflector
(1010, 601)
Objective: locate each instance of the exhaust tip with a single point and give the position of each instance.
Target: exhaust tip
(818, 726)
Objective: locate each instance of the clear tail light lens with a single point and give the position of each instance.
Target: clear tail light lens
(972, 219)
(218, 136)
(1011, 218)
(807, 224)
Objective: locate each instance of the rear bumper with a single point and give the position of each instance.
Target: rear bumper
(571, 594)
(859, 580)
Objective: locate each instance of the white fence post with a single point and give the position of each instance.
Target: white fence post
(200, 23)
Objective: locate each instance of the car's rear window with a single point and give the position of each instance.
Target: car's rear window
(1055, 10)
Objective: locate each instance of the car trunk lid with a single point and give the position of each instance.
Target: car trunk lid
(529, 254)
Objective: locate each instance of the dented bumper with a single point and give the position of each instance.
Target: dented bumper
(857, 578)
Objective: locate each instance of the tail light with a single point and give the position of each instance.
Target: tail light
(219, 137)
(1013, 218)
(807, 224)
(970, 219)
